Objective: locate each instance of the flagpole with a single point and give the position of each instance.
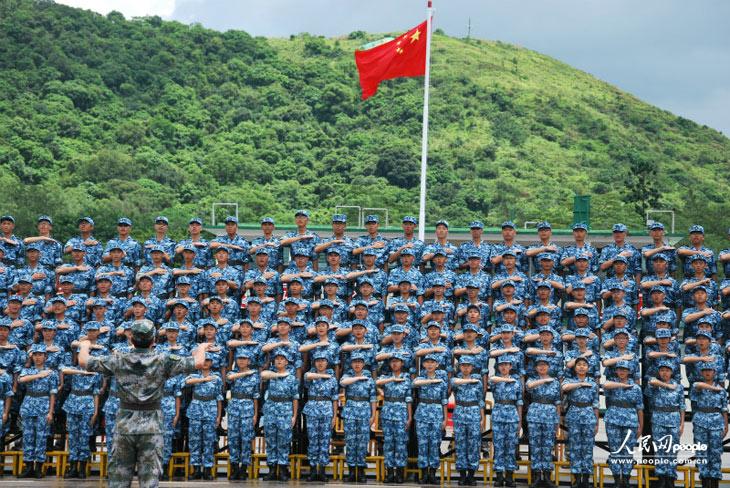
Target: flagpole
(424, 137)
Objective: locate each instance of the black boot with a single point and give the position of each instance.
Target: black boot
(470, 481)
(351, 474)
(73, 471)
(423, 477)
(389, 475)
(243, 472)
(164, 473)
(312, 476)
(509, 479)
(235, 471)
(462, 478)
(207, 474)
(586, 481)
(322, 473)
(499, 479)
(194, 473)
(38, 473)
(272, 475)
(548, 482)
(82, 470)
(362, 477)
(399, 475)
(28, 470)
(284, 473)
(536, 479)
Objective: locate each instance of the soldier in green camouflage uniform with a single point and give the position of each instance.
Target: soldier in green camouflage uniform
(140, 376)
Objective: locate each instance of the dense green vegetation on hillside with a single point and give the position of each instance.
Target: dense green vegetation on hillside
(104, 116)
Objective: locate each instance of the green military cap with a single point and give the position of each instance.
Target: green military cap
(143, 328)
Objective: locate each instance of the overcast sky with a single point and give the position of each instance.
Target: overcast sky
(672, 53)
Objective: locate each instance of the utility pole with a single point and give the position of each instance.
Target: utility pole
(468, 30)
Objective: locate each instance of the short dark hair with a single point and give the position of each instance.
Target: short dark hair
(143, 342)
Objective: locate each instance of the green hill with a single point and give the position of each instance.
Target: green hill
(104, 116)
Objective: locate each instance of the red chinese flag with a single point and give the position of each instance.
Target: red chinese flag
(403, 56)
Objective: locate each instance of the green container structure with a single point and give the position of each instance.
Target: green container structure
(582, 209)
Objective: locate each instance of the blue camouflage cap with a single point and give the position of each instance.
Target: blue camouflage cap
(333, 250)
(620, 228)
(157, 248)
(581, 311)
(339, 218)
(188, 247)
(431, 357)
(49, 324)
(57, 299)
(582, 257)
(508, 283)
(546, 256)
(183, 280)
(397, 355)
(320, 354)
(620, 259)
(358, 323)
(656, 226)
(221, 249)
(621, 330)
(504, 359)
(443, 222)
(78, 246)
(88, 220)
(357, 356)
(696, 229)
(544, 284)
(580, 226)
(281, 353)
(659, 256)
(702, 365)
(433, 323)
(45, 218)
(283, 320)
(703, 333)
(365, 280)
(65, 279)
(470, 326)
(657, 289)
(543, 309)
(267, 220)
(699, 288)
(359, 303)
(171, 326)
(372, 218)
(33, 246)
(124, 221)
(231, 219)
(467, 359)
(321, 319)
(623, 364)
(114, 244)
(508, 223)
(182, 303)
(37, 348)
(474, 255)
(546, 328)
(16, 298)
(509, 306)
(408, 252)
(697, 257)
(397, 329)
(92, 325)
(476, 224)
(302, 212)
(209, 356)
(578, 285)
(472, 283)
(373, 252)
(8, 218)
(663, 333)
(195, 220)
(248, 322)
(410, 219)
(582, 332)
(440, 252)
(100, 302)
(509, 252)
(161, 219)
(208, 322)
(244, 352)
(541, 358)
(262, 250)
(401, 307)
(507, 328)
(326, 303)
(24, 278)
(616, 286)
(251, 300)
(544, 225)
(438, 281)
(138, 300)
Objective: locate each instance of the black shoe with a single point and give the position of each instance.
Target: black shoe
(509, 480)
(389, 476)
(470, 478)
(82, 470)
(499, 479)
(194, 474)
(351, 474)
(163, 474)
(284, 473)
(73, 471)
(38, 473)
(548, 481)
(235, 472)
(28, 471)
(362, 477)
(399, 475)
(243, 472)
(462, 478)
(322, 474)
(423, 477)
(313, 475)
(207, 474)
(272, 474)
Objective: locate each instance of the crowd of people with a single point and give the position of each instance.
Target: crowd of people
(532, 337)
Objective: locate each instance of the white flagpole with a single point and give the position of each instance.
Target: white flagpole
(424, 138)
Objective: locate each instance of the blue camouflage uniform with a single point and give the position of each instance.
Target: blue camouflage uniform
(611, 251)
(417, 248)
(240, 411)
(318, 411)
(522, 264)
(667, 406)
(13, 252)
(41, 286)
(237, 259)
(581, 421)
(79, 408)
(51, 251)
(356, 414)
(132, 251)
(276, 253)
(467, 419)
(505, 422)
(8, 276)
(711, 268)
(172, 390)
(542, 420)
(393, 417)
(708, 408)
(161, 283)
(345, 248)
(278, 412)
(202, 259)
(430, 416)
(6, 391)
(122, 285)
(586, 250)
(34, 409)
(621, 420)
(593, 290)
(167, 246)
(255, 275)
(93, 251)
(364, 241)
(468, 249)
(201, 414)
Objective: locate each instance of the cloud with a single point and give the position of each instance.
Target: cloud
(130, 8)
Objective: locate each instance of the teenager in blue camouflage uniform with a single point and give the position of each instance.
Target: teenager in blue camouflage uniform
(195, 242)
(658, 246)
(709, 423)
(20, 329)
(697, 247)
(36, 411)
(619, 247)
(11, 244)
(581, 398)
(158, 272)
(78, 272)
(468, 417)
(82, 408)
(222, 270)
(204, 417)
(93, 248)
(42, 278)
(623, 419)
(546, 245)
(50, 248)
(8, 276)
(584, 279)
(509, 233)
(369, 271)
(281, 402)
(188, 269)
(320, 411)
(132, 249)
(242, 413)
(430, 415)
(545, 274)
(579, 248)
(583, 344)
(160, 241)
(358, 414)
(301, 240)
(476, 247)
(395, 417)
(439, 274)
(506, 420)
(435, 347)
(269, 242)
(338, 241)
(660, 278)
(236, 245)
(121, 276)
(543, 415)
(408, 241)
(262, 270)
(666, 398)
(373, 240)
(6, 396)
(300, 268)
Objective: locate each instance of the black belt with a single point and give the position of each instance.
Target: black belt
(506, 402)
(146, 406)
(620, 404)
(707, 409)
(241, 396)
(204, 398)
(279, 399)
(358, 399)
(544, 401)
(82, 392)
(394, 399)
(581, 404)
(471, 403)
(320, 398)
(37, 394)
(666, 409)
(430, 401)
